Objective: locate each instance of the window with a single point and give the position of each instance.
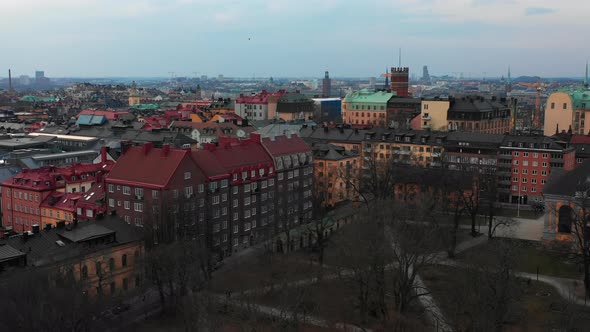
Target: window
(552, 105)
(533, 189)
(524, 180)
(235, 204)
(126, 190)
(201, 188)
(187, 175)
(534, 172)
(544, 164)
(515, 179)
(236, 228)
(97, 269)
(247, 188)
(138, 207)
(84, 272)
(127, 205)
(564, 106)
(525, 163)
(224, 237)
(246, 200)
(235, 177)
(188, 191)
(280, 176)
(244, 175)
(89, 213)
(535, 155)
(524, 171)
(535, 164)
(154, 194)
(139, 192)
(224, 211)
(543, 181)
(544, 173)
(516, 162)
(224, 183)
(236, 216)
(235, 190)
(271, 182)
(124, 260)
(111, 188)
(236, 242)
(516, 154)
(515, 171)
(216, 228)
(224, 224)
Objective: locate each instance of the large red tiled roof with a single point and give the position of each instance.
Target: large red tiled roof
(260, 98)
(580, 139)
(39, 179)
(232, 155)
(282, 145)
(147, 165)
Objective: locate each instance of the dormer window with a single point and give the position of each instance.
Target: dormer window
(407, 139)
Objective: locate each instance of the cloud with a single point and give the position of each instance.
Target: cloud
(539, 11)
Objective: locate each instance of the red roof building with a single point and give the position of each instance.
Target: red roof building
(156, 188)
(23, 194)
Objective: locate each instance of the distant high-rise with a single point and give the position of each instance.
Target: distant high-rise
(425, 74)
(39, 77)
(400, 78)
(326, 85)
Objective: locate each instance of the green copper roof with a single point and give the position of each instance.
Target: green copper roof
(581, 99)
(146, 106)
(35, 99)
(366, 96)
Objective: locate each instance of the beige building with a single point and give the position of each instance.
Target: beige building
(565, 110)
(434, 114)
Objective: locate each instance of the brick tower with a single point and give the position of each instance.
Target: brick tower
(400, 81)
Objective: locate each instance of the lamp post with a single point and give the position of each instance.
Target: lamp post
(518, 205)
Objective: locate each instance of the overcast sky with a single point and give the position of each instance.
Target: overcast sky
(352, 38)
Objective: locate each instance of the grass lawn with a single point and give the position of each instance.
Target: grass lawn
(263, 269)
(335, 300)
(530, 257)
(538, 307)
(234, 322)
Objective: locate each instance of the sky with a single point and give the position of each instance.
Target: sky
(294, 38)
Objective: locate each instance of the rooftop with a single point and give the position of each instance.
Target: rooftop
(368, 96)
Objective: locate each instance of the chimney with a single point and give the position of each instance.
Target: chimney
(165, 150)
(147, 147)
(103, 154)
(10, 89)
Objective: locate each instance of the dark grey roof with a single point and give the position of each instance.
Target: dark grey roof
(7, 253)
(43, 249)
(566, 183)
(537, 142)
(89, 232)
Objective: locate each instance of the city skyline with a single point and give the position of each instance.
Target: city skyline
(153, 38)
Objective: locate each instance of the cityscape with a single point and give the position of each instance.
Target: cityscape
(279, 180)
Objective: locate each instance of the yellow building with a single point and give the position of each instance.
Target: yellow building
(416, 148)
(337, 174)
(58, 207)
(434, 114)
(567, 110)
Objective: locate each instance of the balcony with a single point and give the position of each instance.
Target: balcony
(556, 160)
(504, 173)
(426, 117)
(505, 156)
(436, 154)
(367, 149)
(404, 152)
(426, 126)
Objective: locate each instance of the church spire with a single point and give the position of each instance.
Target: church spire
(586, 76)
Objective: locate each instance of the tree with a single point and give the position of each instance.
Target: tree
(48, 300)
(483, 293)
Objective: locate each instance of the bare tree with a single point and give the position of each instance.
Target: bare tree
(48, 300)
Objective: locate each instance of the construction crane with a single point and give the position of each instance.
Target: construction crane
(536, 116)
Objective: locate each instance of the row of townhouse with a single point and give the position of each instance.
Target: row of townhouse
(49, 195)
(233, 194)
(520, 164)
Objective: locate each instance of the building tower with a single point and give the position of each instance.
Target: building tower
(198, 92)
(134, 97)
(386, 85)
(425, 74)
(509, 82)
(400, 78)
(326, 85)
